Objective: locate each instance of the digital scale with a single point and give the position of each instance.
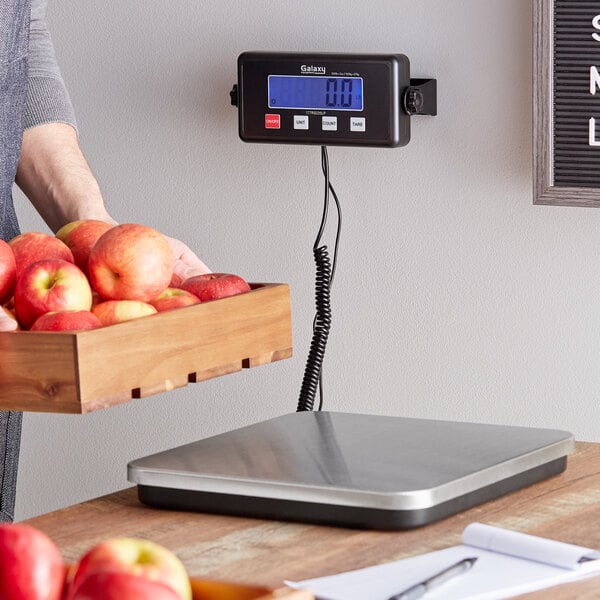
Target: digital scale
(351, 470)
(329, 99)
(335, 468)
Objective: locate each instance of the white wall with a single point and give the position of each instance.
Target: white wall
(455, 297)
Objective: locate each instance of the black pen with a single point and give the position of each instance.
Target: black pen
(419, 589)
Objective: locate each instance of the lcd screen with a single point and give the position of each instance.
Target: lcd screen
(312, 92)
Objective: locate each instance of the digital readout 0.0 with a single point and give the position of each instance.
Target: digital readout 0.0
(315, 92)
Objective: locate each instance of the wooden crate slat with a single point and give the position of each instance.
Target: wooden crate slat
(88, 370)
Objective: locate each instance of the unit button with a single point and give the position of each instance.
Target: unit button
(300, 121)
(358, 124)
(272, 121)
(329, 123)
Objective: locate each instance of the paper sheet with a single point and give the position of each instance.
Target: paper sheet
(530, 547)
(495, 575)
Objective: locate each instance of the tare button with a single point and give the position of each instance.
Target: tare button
(272, 121)
(329, 123)
(358, 124)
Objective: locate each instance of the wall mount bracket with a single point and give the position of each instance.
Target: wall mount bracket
(420, 98)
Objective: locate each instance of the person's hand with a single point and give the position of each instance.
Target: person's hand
(6, 322)
(185, 262)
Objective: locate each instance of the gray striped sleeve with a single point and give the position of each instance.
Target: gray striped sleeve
(47, 97)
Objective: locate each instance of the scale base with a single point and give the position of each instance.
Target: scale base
(350, 470)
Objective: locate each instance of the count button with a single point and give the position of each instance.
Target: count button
(329, 124)
(358, 124)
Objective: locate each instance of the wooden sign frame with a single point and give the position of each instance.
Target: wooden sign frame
(544, 189)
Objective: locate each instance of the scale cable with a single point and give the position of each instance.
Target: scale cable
(325, 272)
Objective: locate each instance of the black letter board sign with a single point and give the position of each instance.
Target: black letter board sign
(566, 119)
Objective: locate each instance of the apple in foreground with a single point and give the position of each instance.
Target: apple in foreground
(66, 320)
(133, 556)
(212, 286)
(131, 262)
(174, 298)
(80, 237)
(50, 285)
(33, 246)
(110, 312)
(122, 586)
(8, 271)
(31, 567)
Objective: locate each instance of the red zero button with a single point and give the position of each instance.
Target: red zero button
(272, 121)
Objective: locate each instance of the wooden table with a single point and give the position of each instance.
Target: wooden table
(566, 508)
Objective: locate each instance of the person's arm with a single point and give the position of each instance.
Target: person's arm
(50, 150)
(55, 176)
(53, 172)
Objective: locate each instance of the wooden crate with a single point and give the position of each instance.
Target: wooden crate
(215, 590)
(83, 371)
(210, 589)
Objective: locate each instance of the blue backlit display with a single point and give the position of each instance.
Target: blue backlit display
(315, 92)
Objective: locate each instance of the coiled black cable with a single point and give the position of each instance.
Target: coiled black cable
(325, 271)
(321, 327)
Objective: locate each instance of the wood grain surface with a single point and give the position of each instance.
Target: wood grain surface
(258, 552)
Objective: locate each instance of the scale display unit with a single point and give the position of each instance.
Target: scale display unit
(329, 99)
(337, 468)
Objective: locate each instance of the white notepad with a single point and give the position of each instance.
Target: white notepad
(508, 564)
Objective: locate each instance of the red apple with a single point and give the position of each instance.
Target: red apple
(174, 298)
(110, 312)
(117, 558)
(212, 286)
(31, 567)
(96, 298)
(176, 280)
(122, 586)
(80, 237)
(50, 285)
(8, 271)
(33, 246)
(66, 320)
(131, 262)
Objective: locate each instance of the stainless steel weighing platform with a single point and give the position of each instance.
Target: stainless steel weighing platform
(350, 470)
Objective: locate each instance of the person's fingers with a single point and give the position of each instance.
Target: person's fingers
(7, 323)
(185, 262)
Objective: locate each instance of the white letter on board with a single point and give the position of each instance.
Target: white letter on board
(596, 25)
(594, 80)
(592, 139)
